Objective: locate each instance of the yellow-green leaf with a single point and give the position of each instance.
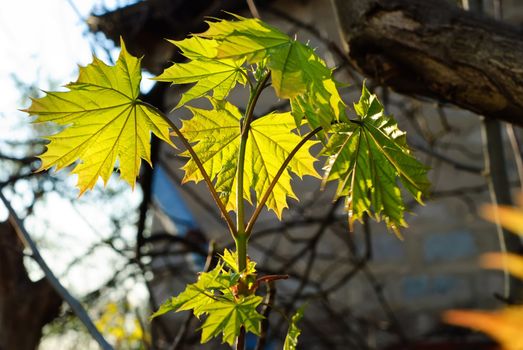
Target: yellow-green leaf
(231, 260)
(219, 76)
(217, 136)
(196, 48)
(227, 316)
(103, 122)
(297, 72)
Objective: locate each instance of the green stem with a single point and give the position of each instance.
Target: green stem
(241, 249)
(241, 238)
(274, 181)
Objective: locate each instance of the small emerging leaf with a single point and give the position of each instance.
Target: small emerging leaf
(367, 157)
(198, 294)
(103, 122)
(291, 340)
(231, 260)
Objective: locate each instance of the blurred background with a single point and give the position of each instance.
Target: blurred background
(121, 252)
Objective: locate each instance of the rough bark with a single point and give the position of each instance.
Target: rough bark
(433, 49)
(25, 306)
(146, 24)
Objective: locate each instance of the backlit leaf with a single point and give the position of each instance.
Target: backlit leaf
(291, 340)
(103, 122)
(197, 48)
(217, 136)
(246, 37)
(211, 296)
(227, 316)
(368, 157)
(297, 72)
(199, 294)
(219, 76)
(231, 260)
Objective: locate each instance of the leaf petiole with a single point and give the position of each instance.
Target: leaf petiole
(199, 164)
(274, 181)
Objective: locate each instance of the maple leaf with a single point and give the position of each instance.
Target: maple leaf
(219, 76)
(211, 296)
(367, 156)
(103, 122)
(228, 316)
(197, 48)
(231, 260)
(199, 294)
(217, 136)
(297, 72)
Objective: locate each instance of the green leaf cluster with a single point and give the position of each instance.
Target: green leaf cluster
(105, 124)
(297, 72)
(217, 135)
(213, 298)
(368, 156)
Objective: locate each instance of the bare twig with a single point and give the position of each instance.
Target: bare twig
(254, 10)
(75, 305)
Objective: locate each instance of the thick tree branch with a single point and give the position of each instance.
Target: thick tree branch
(433, 49)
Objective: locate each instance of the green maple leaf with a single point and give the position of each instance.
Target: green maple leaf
(211, 296)
(217, 136)
(297, 72)
(197, 295)
(228, 316)
(103, 122)
(197, 48)
(219, 76)
(291, 340)
(246, 37)
(368, 157)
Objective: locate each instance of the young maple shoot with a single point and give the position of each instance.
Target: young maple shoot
(236, 154)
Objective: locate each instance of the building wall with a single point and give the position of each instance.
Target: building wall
(435, 267)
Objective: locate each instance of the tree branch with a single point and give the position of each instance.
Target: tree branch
(75, 305)
(434, 49)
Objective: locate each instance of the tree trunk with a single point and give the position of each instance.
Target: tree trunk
(25, 306)
(434, 49)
